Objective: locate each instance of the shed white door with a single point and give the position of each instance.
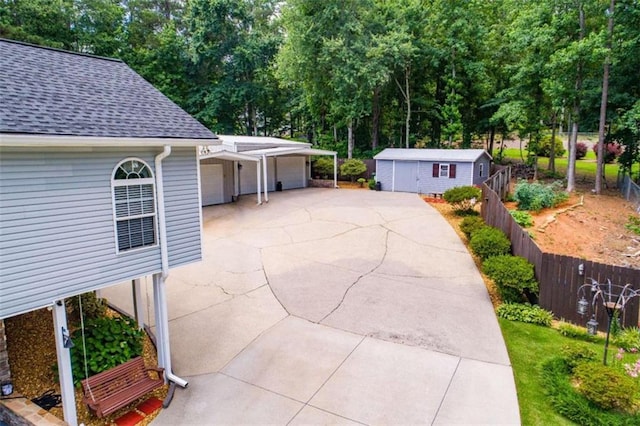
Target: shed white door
(291, 172)
(248, 174)
(212, 184)
(405, 178)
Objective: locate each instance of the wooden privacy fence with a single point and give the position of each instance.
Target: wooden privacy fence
(559, 276)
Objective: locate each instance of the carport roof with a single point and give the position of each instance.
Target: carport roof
(274, 152)
(418, 154)
(260, 140)
(229, 155)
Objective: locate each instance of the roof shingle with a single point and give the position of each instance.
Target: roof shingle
(54, 92)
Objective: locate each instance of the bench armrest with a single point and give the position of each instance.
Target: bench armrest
(158, 370)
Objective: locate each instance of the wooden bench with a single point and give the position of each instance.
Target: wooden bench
(110, 390)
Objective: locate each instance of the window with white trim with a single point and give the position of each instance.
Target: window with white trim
(481, 169)
(444, 170)
(134, 205)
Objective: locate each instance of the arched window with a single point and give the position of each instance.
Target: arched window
(134, 204)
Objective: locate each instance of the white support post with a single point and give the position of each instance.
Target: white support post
(65, 375)
(138, 302)
(266, 182)
(236, 180)
(258, 180)
(335, 170)
(160, 337)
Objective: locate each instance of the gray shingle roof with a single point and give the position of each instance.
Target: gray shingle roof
(415, 154)
(53, 92)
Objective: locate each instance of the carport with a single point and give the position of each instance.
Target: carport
(212, 180)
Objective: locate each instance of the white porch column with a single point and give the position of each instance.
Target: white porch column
(258, 180)
(138, 302)
(335, 170)
(158, 303)
(236, 180)
(266, 182)
(65, 375)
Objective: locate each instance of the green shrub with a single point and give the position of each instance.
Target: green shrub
(633, 224)
(522, 218)
(575, 355)
(323, 166)
(543, 148)
(352, 168)
(109, 342)
(489, 241)
(536, 196)
(471, 224)
(372, 184)
(462, 198)
(513, 276)
(628, 339)
(567, 401)
(575, 332)
(92, 306)
(532, 314)
(605, 386)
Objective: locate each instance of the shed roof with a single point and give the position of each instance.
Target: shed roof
(47, 91)
(417, 154)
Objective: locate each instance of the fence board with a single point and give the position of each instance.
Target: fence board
(558, 276)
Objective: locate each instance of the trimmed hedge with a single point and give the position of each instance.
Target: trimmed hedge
(513, 276)
(489, 241)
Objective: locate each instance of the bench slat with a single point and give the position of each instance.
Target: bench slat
(110, 390)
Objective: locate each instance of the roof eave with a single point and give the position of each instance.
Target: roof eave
(26, 140)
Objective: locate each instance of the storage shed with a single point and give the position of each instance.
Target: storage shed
(430, 171)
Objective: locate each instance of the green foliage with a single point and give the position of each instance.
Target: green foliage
(372, 184)
(576, 354)
(462, 198)
(633, 224)
(522, 218)
(569, 330)
(605, 386)
(543, 147)
(488, 242)
(352, 168)
(628, 339)
(109, 342)
(323, 166)
(513, 275)
(532, 314)
(536, 196)
(92, 306)
(566, 400)
(471, 224)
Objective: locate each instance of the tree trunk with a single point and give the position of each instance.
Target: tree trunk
(350, 141)
(552, 147)
(573, 138)
(492, 137)
(408, 97)
(375, 119)
(603, 103)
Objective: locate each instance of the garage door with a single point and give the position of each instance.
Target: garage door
(248, 184)
(406, 176)
(291, 172)
(211, 184)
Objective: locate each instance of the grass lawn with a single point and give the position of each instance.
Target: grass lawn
(585, 167)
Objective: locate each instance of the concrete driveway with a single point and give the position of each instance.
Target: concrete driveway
(333, 306)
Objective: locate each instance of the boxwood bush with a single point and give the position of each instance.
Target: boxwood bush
(606, 387)
(471, 224)
(462, 198)
(489, 241)
(513, 275)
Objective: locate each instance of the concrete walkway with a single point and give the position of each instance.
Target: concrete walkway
(333, 306)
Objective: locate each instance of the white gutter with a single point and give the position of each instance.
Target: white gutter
(266, 183)
(164, 255)
(11, 139)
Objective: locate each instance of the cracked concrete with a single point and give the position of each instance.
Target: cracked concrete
(333, 307)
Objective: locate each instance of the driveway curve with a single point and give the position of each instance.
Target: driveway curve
(333, 306)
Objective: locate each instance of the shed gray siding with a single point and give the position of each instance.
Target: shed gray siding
(394, 176)
(438, 185)
(384, 174)
(477, 179)
(57, 235)
(227, 170)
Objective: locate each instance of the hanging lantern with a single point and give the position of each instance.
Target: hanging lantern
(583, 305)
(592, 326)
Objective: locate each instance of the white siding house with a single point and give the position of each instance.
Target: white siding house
(99, 183)
(430, 171)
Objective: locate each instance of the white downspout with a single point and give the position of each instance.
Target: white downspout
(266, 183)
(335, 170)
(164, 256)
(258, 182)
